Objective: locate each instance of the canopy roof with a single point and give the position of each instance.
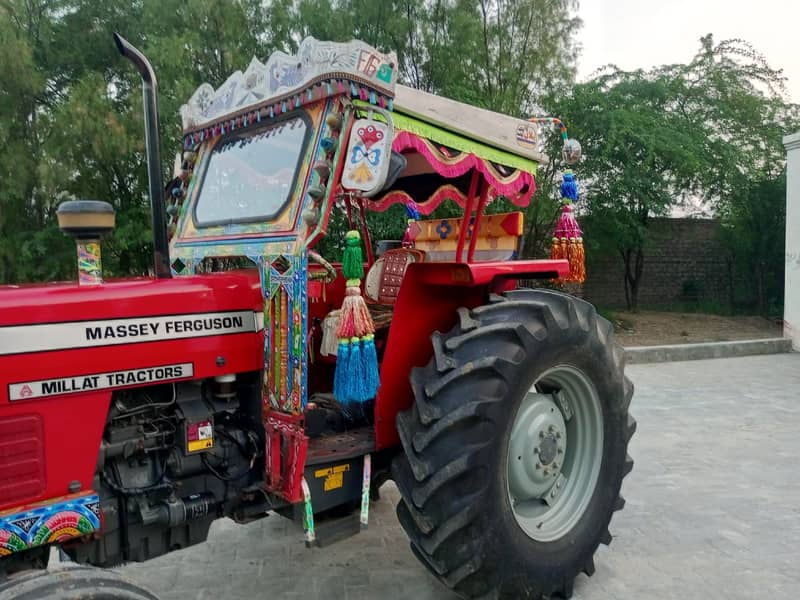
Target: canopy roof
(509, 134)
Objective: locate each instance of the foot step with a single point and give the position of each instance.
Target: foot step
(331, 531)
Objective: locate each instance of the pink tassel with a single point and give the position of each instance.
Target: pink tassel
(567, 226)
(354, 320)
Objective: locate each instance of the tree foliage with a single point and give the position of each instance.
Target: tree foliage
(71, 114)
(708, 129)
(70, 107)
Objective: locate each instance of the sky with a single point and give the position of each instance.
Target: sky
(643, 33)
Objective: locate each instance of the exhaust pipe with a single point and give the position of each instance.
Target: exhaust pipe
(153, 149)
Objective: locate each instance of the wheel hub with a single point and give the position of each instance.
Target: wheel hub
(538, 441)
(548, 449)
(554, 453)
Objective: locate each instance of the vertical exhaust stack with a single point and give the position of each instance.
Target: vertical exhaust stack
(153, 149)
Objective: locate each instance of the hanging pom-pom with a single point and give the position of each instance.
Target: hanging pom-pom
(556, 251)
(412, 214)
(369, 355)
(352, 261)
(356, 379)
(342, 367)
(568, 238)
(577, 261)
(569, 187)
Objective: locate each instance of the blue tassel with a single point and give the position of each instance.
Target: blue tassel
(369, 357)
(569, 187)
(342, 369)
(411, 210)
(372, 98)
(354, 388)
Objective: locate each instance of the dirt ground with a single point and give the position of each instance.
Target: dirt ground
(647, 328)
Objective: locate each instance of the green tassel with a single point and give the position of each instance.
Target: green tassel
(352, 262)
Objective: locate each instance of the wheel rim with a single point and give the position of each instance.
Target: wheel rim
(554, 453)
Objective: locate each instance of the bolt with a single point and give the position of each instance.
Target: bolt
(555, 465)
(538, 465)
(546, 472)
(536, 450)
(552, 494)
(561, 451)
(541, 434)
(558, 485)
(558, 435)
(551, 429)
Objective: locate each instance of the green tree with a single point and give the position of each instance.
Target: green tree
(652, 138)
(754, 231)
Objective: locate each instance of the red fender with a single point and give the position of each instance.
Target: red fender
(428, 300)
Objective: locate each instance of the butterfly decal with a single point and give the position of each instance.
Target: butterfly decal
(372, 156)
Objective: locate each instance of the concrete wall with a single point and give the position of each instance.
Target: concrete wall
(791, 310)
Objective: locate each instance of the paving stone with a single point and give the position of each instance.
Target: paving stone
(713, 509)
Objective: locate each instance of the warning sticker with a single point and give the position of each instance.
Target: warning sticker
(99, 381)
(334, 476)
(199, 436)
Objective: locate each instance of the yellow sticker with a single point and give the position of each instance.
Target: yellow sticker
(200, 445)
(334, 476)
(333, 481)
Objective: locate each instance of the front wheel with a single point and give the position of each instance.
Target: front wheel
(71, 583)
(516, 447)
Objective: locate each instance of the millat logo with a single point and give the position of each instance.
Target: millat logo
(26, 391)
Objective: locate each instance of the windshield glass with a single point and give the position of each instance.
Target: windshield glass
(249, 176)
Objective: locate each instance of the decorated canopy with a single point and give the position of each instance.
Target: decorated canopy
(443, 137)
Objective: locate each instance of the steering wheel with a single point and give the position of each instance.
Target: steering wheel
(329, 275)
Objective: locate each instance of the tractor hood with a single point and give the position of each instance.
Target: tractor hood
(52, 335)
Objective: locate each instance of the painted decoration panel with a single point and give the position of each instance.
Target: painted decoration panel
(284, 74)
(368, 154)
(41, 524)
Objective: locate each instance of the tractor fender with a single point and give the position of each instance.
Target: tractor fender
(429, 299)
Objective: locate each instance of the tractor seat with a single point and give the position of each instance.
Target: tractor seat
(383, 281)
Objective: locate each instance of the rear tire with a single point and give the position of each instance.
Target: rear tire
(460, 487)
(74, 583)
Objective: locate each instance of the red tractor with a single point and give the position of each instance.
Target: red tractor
(251, 375)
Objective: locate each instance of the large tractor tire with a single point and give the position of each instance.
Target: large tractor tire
(72, 583)
(516, 447)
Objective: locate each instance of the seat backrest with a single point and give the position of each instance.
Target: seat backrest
(498, 237)
(385, 277)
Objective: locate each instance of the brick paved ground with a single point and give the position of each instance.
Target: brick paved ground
(713, 509)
